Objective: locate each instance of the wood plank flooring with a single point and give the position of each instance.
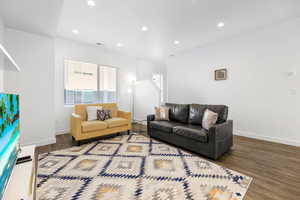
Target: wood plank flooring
(275, 168)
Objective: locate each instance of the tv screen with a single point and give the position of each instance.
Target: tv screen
(9, 136)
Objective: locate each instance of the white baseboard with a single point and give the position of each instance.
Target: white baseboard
(41, 143)
(266, 138)
(60, 132)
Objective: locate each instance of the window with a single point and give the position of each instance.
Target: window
(89, 83)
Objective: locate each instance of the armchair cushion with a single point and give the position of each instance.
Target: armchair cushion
(92, 112)
(93, 125)
(192, 132)
(116, 121)
(114, 112)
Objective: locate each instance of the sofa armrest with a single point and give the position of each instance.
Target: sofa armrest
(75, 125)
(123, 114)
(150, 118)
(220, 138)
(126, 115)
(221, 131)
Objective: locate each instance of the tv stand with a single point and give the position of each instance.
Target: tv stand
(24, 159)
(22, 183)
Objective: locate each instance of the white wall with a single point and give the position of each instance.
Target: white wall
(66, 49)
(35, 84)
(1, 55)
(147, 94)
(262, 98)
(145, 99)
(146, 68)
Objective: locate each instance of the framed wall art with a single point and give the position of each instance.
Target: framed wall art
(221, 74)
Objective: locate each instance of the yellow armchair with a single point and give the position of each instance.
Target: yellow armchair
(76, 125)
(82, 129)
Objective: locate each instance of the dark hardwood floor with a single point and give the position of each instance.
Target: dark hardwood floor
(275, 168)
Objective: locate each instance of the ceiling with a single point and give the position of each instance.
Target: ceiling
(192, 22)
(38, 16)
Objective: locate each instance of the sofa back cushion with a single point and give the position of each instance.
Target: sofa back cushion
(92, 112)
(80, 109)
(178, 112)
(222, 111)
(196, 113)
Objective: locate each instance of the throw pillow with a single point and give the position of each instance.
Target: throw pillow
(104, 114)
(101, 115)
(108, 114)
(162, 113)
(92, 112)
(209, 119)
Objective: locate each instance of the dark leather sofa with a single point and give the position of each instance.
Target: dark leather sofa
(184, 129)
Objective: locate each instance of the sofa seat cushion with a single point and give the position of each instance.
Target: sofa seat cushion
(95, 125)
(165, 126)
(192, 132)
(116, 121)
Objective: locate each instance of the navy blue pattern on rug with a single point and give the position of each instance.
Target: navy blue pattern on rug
(134, 167)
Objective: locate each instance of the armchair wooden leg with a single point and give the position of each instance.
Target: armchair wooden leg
(128, 132)
(77, 143)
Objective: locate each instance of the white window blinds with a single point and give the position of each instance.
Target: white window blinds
(89, 83)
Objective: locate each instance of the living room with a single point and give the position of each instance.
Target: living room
(137, 99)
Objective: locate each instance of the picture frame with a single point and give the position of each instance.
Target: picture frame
(221, 74)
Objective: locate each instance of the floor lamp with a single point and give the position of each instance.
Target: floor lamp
(131, 92)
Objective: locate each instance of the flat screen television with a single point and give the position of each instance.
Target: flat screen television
(9, 136)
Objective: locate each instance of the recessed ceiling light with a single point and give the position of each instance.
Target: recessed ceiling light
(144, 28)
(221, 24)
(75, 31)
(176, 42)
(119, 44)
(91, 3)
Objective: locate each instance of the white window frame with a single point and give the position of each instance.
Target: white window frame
(98, 65)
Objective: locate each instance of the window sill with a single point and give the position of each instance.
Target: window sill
(68, 106)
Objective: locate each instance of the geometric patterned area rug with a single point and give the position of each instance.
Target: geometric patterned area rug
(134, 167)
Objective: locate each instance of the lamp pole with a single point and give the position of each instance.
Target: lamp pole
(131, 92)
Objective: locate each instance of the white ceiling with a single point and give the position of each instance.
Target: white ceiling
(37, 16)
(192, 22)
